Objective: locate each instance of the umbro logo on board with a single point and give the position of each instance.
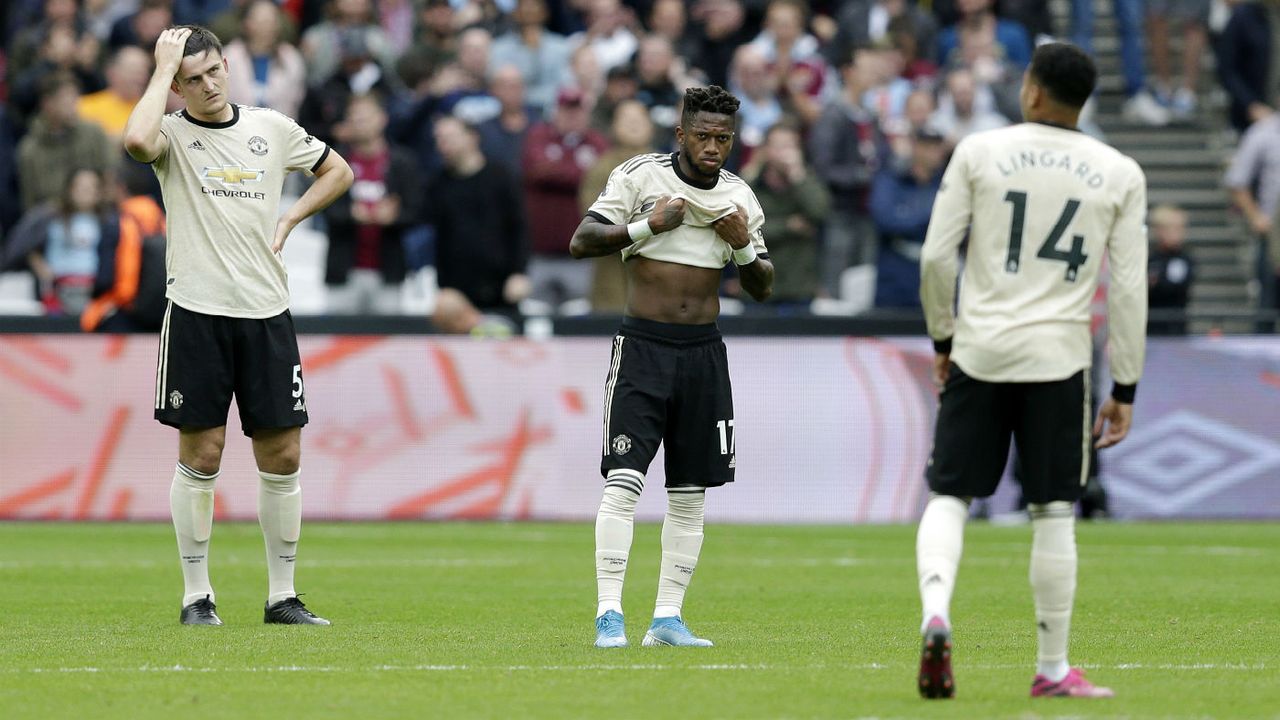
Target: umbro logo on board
(197, 145)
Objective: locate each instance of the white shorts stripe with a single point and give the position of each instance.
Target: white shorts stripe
(1088, 430)
(162, 362)
(609, 387)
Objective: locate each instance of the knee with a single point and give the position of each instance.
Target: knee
(206, 455)
(618, 501)
(283, 460)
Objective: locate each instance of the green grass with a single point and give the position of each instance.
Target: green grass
(484, 620)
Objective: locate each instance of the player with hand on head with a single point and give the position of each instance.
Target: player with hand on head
(677, 219)
(1041, 204)
(227, 329)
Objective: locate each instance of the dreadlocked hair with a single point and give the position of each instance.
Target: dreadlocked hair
(714, 99)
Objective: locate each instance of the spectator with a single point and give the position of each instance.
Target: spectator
(846, 145)
(620, 85)
(978, 18)
(325, 105)
(1140, 106)
(127, 76)
(584, 73)
(797, 67)
(909, 42)
(1193, 16)
(60, 51)
(1254, 182)
(58, 141)
(541, 55)
(129, 290)
(887, 97)
(965, 108)
(265, 70)
(1244, 53)
(476, 209)
(228, 24)
(901, 202)
(26, 47)
(435, 46)
(463, 86)
(632, 135)
(608, 33)
(325, 45)
(862, 24)
(1170, 272)
(556, 156)
(10, 208)
(662, 82)
(756, 90)
(395, 17)
(796, 204)
(720, 27)
(982, 56)
(143, 27)
(916, 115)
(63, 252)
(502, 137)
(366, 265)
(669, 19)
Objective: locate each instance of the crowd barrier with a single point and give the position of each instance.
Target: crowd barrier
(828, 430)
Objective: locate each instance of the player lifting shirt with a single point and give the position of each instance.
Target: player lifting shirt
(677, 219)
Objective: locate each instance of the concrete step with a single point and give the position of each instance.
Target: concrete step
(1187, 199)
(1222, 293)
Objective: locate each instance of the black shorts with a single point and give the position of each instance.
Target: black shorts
(669, 384)
(1049, 422)
(204, 359)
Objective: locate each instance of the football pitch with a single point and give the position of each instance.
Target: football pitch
(495, 621)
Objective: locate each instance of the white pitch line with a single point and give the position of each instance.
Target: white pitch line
(1240, 667)
(237, 561)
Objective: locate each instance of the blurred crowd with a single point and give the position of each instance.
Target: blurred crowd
(480, 130)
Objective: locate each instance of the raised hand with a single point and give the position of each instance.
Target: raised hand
(169, 47)
(667, 214)
(732, 229)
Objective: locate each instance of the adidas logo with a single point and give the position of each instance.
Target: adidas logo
(299, 406)
(197, 145)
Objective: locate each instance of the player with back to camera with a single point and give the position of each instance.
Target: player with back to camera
(1041, 203)
(227, 329)
(677, 219)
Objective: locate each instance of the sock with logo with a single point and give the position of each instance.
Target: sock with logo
(280, 516)
(681, 544)
(191, 505)
(615, 525)
(1053, 582)
(939, 543)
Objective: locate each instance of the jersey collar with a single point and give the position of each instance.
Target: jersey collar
(1055, 125)
(235, 117)
(700, 184)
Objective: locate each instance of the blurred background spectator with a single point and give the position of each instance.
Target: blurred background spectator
(901, 201)
(1246, 56)
(847, 147)
(1253, 180)
(965, 108)
(1170, 270)
(1191, 17)
(539, 54)
(557, 154)
(366, 265)
(796, 204)
(127, 72)
(478, 215)
(349, 24)
(1141, 105)
(58, 141)
(129, 290)
(502, 136)
(263, 69)
(632, 134)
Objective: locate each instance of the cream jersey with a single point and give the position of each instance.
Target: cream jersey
(634, 187)
(1041, 205)
(221, 186)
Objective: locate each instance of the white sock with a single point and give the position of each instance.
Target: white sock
(681, 545)
(939, 543)
(615, 526)
(280, 516)
(191, 506)
(1053, 583)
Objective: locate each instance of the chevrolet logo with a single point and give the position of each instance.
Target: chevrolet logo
(233, 175)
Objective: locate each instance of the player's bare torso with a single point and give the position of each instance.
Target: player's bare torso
(672, 292)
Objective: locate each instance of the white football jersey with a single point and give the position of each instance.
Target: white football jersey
(1040, 205)
(634, 187)
(221, 185)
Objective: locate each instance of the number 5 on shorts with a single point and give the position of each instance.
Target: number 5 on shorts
(297, 381)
